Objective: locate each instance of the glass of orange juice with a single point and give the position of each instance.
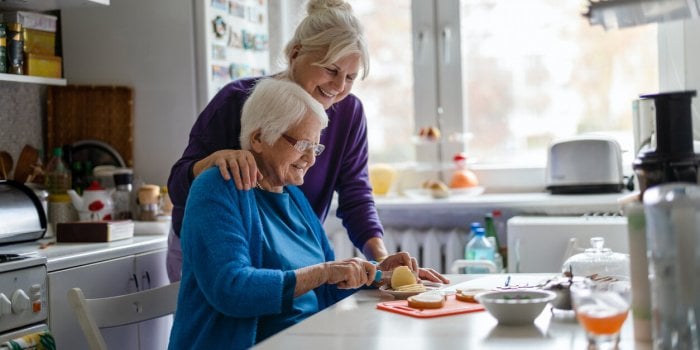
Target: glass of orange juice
(601, 308)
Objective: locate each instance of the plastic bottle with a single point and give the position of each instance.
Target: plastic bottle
(58, 180)
(492, 235)
(472, 233)
(462, 176)
(479, 248)
(500, 227)
(58, 174)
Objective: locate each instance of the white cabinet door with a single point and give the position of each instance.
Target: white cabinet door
(150, 267)
(103, 279)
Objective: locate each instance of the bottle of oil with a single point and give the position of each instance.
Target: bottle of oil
(58, 180)
(58, 174)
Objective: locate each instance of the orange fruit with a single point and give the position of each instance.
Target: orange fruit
(464, 178)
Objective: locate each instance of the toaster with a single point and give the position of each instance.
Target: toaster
(584, 165)
(22, 216)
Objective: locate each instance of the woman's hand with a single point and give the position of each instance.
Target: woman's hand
(402, 258)
(238, 164)
(350, 273)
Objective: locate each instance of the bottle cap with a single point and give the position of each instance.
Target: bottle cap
(480, 231)
(123, 177)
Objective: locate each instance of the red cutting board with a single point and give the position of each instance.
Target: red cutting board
(452, 307)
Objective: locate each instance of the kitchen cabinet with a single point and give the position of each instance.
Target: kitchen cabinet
(106, 278)
(42, 6)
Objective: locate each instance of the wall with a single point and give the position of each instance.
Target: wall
(21, 109)
(679, 54)
(149, 46)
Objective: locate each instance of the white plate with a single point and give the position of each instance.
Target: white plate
(421, 193)
(403, 295)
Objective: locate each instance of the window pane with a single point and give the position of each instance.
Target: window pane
(536, 71)
(387, 94)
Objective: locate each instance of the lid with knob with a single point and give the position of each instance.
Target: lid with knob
(597, 260)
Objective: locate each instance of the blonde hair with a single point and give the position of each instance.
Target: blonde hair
(275, 106)
(331, 29)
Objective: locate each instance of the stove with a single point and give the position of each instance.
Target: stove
(23, 295)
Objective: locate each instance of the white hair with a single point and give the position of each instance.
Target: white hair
(274, 107)
(331, 30)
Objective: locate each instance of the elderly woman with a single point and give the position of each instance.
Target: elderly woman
(326, 55)
(257, 261)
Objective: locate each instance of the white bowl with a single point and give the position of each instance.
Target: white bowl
(515, 307)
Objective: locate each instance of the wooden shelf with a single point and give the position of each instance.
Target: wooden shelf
(32, 79)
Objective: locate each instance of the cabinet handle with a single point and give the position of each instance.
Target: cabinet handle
(147, 276)
(136, 281)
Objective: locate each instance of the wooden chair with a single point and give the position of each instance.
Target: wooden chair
(95, 314)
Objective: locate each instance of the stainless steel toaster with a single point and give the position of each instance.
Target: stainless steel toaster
(589, 164)
(22, 216)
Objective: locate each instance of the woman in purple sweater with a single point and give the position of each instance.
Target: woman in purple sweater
(325, 56)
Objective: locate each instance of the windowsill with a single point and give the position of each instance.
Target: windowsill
(458, 211)
(596, 202)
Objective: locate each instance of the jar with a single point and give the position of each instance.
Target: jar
(149, 202)
(597, 260)
(3, 48)
(123, 179)
(61, 209)
(15, 49)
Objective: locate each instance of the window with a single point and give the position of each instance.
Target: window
(387, 93)
(506, 77)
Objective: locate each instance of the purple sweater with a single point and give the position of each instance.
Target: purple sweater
(342, 167)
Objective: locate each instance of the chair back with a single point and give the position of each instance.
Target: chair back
(99, 313)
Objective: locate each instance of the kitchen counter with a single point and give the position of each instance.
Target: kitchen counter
(355, 323)
(66, 255)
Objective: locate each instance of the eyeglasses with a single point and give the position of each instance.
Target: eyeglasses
(304, 145)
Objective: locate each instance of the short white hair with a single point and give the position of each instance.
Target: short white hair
(274, 107)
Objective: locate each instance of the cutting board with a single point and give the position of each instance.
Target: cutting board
(452, 307)
(80, 112)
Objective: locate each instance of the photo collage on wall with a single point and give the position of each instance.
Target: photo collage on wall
(238, 41)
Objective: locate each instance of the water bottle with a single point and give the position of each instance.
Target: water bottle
(479, 248)
(472, 233)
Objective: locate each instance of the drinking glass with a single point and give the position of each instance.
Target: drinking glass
(601, 308)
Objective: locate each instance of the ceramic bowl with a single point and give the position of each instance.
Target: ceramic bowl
(515, 307)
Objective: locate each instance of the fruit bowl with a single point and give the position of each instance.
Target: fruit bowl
(515, 307)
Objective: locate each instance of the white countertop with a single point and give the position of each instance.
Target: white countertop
(65, 255)
(355, 323)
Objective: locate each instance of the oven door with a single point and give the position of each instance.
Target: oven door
(16, 333)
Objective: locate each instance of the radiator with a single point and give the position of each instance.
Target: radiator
(434, 248)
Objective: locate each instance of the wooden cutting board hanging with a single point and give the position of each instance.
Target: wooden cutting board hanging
(79, 112)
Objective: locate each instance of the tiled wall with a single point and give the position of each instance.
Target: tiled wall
(22, 107)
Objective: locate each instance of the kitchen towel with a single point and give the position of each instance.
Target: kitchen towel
(35, 341)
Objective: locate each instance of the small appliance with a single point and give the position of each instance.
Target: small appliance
(21, 213)
(669, 155)
(584, 164)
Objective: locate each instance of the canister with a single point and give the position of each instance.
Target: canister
(3, 48)
(15, 47)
